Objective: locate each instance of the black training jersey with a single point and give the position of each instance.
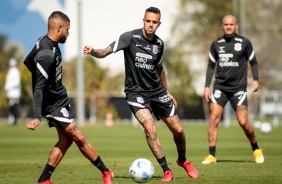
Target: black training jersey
(231, 56)
(140, 57)
(45, 64)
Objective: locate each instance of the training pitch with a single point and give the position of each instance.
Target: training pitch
(23, 154)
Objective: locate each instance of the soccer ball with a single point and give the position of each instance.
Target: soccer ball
(141, 170)
(265, 128)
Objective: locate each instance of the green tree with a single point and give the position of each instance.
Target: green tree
(99, 85)
(264, 27)
(195, 25)
(3, 72)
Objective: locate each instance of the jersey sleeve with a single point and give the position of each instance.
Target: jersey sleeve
(252, 59)
(122, 42)
(161, 52)
(29, 62)
(44, 61)
(211, 65)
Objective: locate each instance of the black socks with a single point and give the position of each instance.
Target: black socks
(100, 165)
(46, 174)
(163, 164)
(254, 146)
(212, 150)
(181, 156)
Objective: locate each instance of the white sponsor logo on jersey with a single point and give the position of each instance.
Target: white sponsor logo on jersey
(221, 50)
(141, 61)
(144, 55)
(38, 43)
(164, 98)
(224, 60)
(136, 36)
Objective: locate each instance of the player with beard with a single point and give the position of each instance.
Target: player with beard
(147, 90)
(51, 99)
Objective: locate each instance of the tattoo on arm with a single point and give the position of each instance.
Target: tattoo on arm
(101, 53)
(161, 73)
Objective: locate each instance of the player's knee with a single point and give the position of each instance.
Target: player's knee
(214, 119)
(80, 140)
(179, 131)
(244, 123)
(61, 147)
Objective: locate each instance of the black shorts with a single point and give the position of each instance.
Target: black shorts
(61, 117)
(236, 98)
(160, 105)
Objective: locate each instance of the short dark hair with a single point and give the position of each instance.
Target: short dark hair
(153, 10)
(59, 14)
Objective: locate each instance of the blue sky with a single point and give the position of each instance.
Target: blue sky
(21, 23)
(24, 21)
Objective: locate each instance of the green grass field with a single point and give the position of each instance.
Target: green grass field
(23, 154)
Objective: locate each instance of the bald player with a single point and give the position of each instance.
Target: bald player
(51, 99)
(228, 59)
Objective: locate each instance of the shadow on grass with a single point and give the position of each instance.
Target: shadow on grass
(130, 178)
(121, 176)
(235, 161)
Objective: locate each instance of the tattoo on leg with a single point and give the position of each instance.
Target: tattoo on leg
(145, 118)
(154, 144)
(72, 129)
(210, 137)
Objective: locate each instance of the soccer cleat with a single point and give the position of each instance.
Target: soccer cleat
(45, 182)
(191, 171)
(168, 176)
(259, 159)
(209, 159)
(108, 177)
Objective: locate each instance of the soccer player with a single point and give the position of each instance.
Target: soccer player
(51, 99)
(230, 54)
(146, 88)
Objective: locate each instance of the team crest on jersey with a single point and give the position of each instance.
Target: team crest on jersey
(155, 49)
(140, 100)
(65, 112)
(217, 93)
(237, 46)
